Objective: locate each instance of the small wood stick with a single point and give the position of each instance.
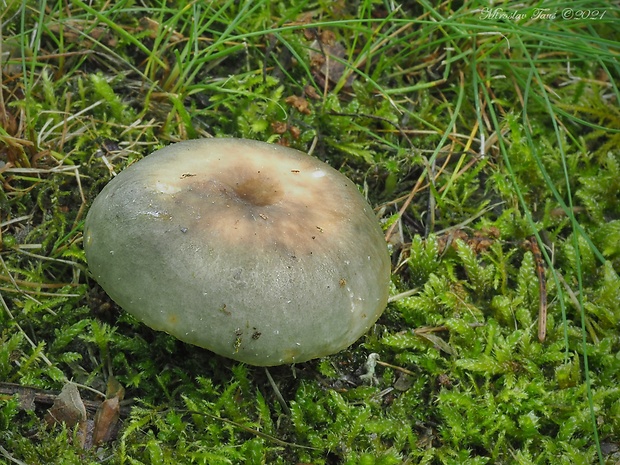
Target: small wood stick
(542, 286)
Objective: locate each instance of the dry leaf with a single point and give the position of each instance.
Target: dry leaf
(295, 132)
(326, 58)
(108, 413)
(300, 103)
(114, 389)
(279, 127)
(106, 420)
(69, 409)
(311, 92)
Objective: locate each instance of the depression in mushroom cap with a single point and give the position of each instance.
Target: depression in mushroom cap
(255, 251)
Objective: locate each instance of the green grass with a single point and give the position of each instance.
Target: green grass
(469, 133)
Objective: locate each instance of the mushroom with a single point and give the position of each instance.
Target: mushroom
(255, 251)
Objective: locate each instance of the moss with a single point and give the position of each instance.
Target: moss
(469, 133)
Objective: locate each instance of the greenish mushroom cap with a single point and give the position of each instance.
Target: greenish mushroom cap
(255, 251)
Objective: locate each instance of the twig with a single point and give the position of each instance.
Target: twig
(542, 286)
(8, 456)
(260, 434)
(395, 367)
(402, 295)
(281, 400)
(402, 210)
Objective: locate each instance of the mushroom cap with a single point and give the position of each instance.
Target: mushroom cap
(255, 251)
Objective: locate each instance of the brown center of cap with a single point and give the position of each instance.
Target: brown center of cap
(259, 190)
